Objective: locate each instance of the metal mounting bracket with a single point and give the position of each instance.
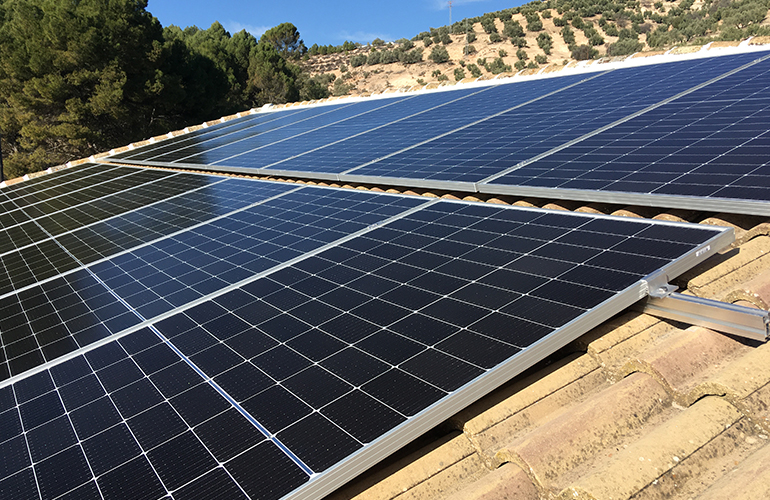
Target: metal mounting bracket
(743, 321)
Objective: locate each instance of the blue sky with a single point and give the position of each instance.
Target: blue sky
(322, 22)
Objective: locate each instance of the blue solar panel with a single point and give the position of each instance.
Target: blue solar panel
(490, 147)
(457, 108)
(710, 144)
(206, 133)
(291, 381)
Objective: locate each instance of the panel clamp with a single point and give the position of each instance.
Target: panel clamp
(662, 301)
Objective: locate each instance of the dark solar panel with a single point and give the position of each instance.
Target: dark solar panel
(501, 142)
(288, 383)
(706, 147)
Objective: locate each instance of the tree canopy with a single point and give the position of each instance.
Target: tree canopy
(77, 78)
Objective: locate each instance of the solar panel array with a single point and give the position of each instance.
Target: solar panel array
(177, 335)
(627, 134)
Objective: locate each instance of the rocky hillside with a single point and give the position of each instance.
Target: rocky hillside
(538, 35)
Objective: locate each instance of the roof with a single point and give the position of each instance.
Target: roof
(637, 408)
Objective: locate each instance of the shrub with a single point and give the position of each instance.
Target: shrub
(532, 65)
(611, 29)
(436, 72)
(584, 52)
(498, 66)
(534, 23)
(405, 44)
(545, 42)
(513, 29)
(475, 71)
(546, 14)
(340, 88)
(520, 65)
(343, 68)
(471, 37)
(445, 39)
(443, 78)
(489, 25)
(378, 42)
(427, 41)
(495, 38)
(469, 49)
(459, 74)
(568, 35)
(541, 59)
(559, 21)
(358, 60)
(519, 41)
(411, 57)
(502, 53)
(374, 58)
(388, 57)
(624, 47)
(521, 54)
(439, 55)
(578, 23)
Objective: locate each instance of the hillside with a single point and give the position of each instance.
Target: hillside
(536, 36)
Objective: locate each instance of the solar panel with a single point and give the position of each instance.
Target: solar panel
(708, 147)
(551, 137)
(390, 313)
(172, 335)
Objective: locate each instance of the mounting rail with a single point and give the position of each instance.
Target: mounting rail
(743, 321)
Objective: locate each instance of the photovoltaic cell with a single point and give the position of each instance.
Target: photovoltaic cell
(709, 144)
(491, 147)
(275, 386)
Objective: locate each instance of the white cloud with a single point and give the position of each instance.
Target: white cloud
(234, 27)
(362, 37)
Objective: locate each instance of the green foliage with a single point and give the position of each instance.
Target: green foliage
(521, 55)
(520, 65)
(471, 37)
(611, 29)
(427, 41)
(546, 14)
(624, 47)
(559, 21)
(436, 72)
(541, 59)
(534, 23)
(495, 38)
(545, 42)
(578, 23)
(568, 35)
(498, 66)
(502, 53)
(513, 29)
(439, 55)
(459, 74)
(532, 65)
(488, 23)
(378, 42)
(375, 57)
(584, 52)
(468, 50)
(358, 60)
(340, 88)
(445, 38)
(343, 68)
(285, 38)
(316, 87)
(442, 78)
(475, 71)
(519, 42)
(411, 56)
(405, 44)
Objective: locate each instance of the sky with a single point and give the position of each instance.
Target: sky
(324, 23)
